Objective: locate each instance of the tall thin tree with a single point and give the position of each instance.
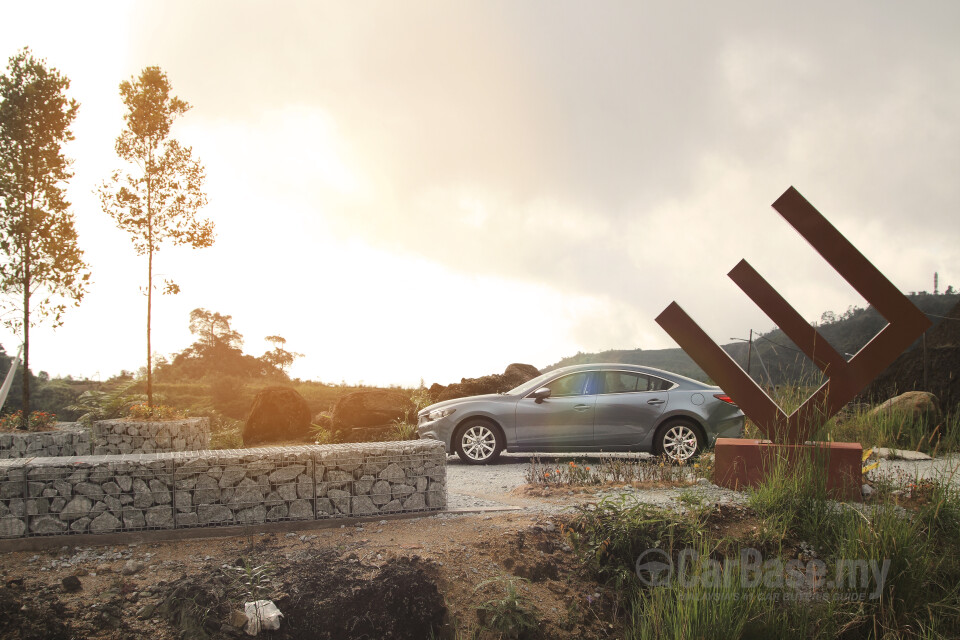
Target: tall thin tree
(279, 357)
(158, 199)
(43, 269)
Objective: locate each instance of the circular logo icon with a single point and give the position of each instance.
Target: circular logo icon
(654, 568)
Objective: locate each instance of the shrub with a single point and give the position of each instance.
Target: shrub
(323, 435)
(792, 499)
(508, 614)
(225, 432)
(101, 405)
(610, 535)
(917, 544)
(155, 412)
(616, 469)
(39, 421)
(896, 429)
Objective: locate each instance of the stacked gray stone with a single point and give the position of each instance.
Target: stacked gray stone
(113, 437)
(46, 496)
(372, 479)
(102, 494)
(13, 510)
(244, 486)
(91, 494)
(69, 439)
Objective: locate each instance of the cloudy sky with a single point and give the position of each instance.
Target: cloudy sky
(437, 189)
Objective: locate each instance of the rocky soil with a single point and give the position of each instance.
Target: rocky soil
(382, 579)
(386, 579)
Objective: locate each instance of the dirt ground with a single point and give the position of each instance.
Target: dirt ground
(386, 579)
(396, 578)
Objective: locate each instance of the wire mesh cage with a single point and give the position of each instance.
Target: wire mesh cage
(137, 492)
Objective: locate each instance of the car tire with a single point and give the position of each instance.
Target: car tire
(679, 441)
(478, 442)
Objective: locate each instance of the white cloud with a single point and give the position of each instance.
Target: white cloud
(441, 189)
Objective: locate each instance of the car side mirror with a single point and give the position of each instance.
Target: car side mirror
(540, 394)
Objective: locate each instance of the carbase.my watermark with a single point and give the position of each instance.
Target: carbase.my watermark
(786, 580)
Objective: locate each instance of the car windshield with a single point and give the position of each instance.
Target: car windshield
(530, 385)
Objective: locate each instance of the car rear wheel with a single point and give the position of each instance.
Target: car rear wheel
(679, 441)
(478, 442)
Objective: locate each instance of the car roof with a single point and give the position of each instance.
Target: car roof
(636, 368)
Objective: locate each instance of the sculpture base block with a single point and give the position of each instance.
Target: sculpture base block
(742, 463)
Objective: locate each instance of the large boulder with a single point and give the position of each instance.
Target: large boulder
(919, 405)
(514, 375)
(371, 408)
(278, 414)
(520, 373)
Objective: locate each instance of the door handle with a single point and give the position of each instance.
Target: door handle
(655, 401)
(581, 407)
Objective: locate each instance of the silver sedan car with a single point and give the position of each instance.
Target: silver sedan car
(588, 407)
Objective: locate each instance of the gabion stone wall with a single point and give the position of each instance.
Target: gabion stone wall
(112, 437)
(106, 494)
(66, 441)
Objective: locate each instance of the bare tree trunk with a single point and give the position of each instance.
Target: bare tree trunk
(149, 288)
(149, 313)
(24, 424)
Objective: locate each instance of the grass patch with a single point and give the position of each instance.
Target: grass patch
(610, 535)
(889, 568)
(225, 433)
(896, 429)
(792, 500)
(614, 470)
(323, 434)
(507, 613)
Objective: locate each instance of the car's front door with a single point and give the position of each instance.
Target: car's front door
(564, 420)
(627, 408)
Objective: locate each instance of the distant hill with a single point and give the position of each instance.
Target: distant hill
(775, 359)
(941, 375)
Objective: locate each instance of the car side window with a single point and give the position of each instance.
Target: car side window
(625, 382)
(620, 382)
(575, 384)
(657, 384)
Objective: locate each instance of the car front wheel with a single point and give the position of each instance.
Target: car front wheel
(478, 442)
(679, 441)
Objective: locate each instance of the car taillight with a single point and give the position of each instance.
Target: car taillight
(724, 398)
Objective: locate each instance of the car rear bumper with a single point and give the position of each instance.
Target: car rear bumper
(729, 428)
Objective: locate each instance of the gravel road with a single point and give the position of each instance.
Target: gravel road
(495, 485)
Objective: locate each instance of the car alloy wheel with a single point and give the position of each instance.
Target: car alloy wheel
(680, 442)
(478, 443)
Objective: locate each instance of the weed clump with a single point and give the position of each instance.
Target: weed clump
(889, 568)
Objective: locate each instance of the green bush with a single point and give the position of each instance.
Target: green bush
(154, 412)
(895, 429)
(507, 613)
(39, 421)
(916, 549)
(225, 432)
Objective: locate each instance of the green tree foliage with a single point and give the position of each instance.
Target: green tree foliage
(158, 199)
(278, 356)
(213, 330)
(43, 269)
(218, 348)
(217, 352)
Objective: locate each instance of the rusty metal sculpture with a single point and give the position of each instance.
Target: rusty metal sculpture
(844, 379)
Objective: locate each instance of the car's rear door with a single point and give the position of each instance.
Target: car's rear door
(627, 407)
(564, 421)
